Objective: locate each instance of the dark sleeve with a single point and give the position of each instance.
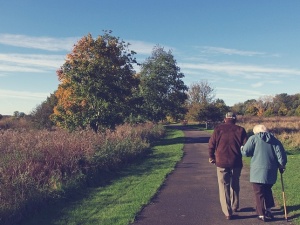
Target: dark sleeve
(244, 137)
(212, 146)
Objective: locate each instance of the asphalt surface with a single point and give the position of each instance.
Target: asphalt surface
(189, 195)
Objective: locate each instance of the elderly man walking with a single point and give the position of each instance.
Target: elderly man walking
(225, 152)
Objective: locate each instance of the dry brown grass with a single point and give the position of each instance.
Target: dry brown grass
(286, 129)
(38, 164)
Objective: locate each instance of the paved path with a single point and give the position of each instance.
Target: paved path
(189, 195)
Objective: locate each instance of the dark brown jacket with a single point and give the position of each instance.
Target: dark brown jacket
(225, 145)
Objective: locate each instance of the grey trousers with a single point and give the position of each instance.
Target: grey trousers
(229, 188)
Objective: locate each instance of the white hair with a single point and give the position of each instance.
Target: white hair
(259, 128)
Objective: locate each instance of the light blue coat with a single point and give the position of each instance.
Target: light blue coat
(267, 155)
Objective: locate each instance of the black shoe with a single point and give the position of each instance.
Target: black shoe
(269, 215)
(261, 218)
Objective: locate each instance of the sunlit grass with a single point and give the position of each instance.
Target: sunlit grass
(291, 181)
(119, 201)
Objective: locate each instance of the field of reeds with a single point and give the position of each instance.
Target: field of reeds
(286, 129)
(38, 167)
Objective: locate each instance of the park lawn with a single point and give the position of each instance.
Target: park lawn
(119, 201)
(291, 183)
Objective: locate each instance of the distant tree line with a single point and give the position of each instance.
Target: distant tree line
(279, 105)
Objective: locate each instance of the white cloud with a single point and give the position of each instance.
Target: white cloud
(32, 60)
(23, 94)
(43, 43)
(140, 47)
(229, 51)
(231, 68)
(235, 95)
(19, 68)
(259, 84)
(146, 48)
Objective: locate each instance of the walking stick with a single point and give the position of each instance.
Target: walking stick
(283, 197)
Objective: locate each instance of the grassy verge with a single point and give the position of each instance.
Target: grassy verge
(291, 181)
(124, 196)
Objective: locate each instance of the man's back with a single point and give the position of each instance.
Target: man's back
(225, 143)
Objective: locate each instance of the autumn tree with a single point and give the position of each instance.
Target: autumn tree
(96, 84)
(162, 87)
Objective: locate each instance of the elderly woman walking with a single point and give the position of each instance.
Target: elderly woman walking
(268, 155)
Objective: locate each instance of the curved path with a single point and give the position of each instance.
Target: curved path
(189, 195)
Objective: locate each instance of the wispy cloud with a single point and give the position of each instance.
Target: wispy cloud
(23, 94)
(235, 95)
(238, 90)
(238, 69)
(229, 51)
(140, 47)
(43, 43)
(146, 48)
(20, 68)
(258, 84)
(31, 60)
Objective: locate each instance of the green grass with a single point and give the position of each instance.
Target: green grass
(126, 194)
(291, 181)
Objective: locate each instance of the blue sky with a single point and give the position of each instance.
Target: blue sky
(244, 49)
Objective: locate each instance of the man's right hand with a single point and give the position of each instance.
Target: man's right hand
(210, 160)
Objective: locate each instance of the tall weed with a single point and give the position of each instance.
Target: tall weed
(286, 129)
(37, 166)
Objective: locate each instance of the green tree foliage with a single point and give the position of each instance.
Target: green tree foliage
(96, 84)
(193, 112)
(18, 114)
(161, 87)
(297, 111)
(221, 109)
(40, 116)
(238, 108)
(209, 112)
